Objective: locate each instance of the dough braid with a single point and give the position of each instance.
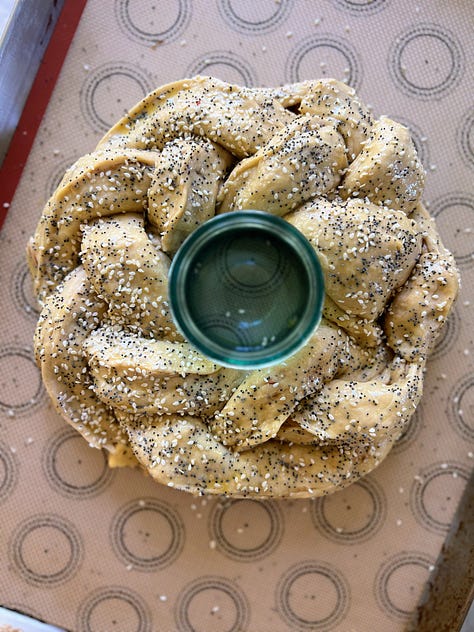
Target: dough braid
(110, 355)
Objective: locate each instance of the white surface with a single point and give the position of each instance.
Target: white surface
(23, 623)
(469, 622)
(6, 9)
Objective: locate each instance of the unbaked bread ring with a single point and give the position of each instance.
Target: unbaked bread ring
(111, 357)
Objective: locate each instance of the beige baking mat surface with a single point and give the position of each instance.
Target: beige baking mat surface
(96, 550)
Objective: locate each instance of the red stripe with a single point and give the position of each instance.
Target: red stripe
(37, 101)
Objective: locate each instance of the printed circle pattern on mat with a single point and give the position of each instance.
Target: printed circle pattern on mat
(147, 534)
(21, 291)
(145, 21)
(435, 494)
(101, 94)
(461, 207)
(224, 65)
(21, 388)
(361, 7)
(399, 582)
(426, 61)
(246, 530)
(227, 327)
(57, 174)
(8, 472)
(114, 608)
(46, 550)
(276, 273)
(466, 137)
(352, 515)
(331, 56)
(461, 406)
(312, 596)
(410, 433)
(72, 468)
(449, 336)
(254, 18)
(212, 604)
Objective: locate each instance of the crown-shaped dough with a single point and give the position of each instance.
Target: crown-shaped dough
(110, 355)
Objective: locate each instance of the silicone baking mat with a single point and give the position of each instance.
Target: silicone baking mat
(93, 549)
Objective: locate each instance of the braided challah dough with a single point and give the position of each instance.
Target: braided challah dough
(110, 355)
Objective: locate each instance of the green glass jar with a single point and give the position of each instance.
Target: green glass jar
(246, 289)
